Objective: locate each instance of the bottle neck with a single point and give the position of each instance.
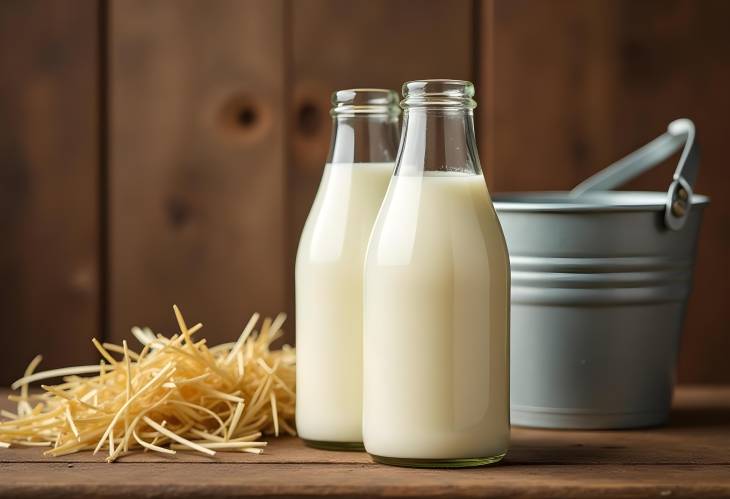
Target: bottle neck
(438, 139)
(364, 138)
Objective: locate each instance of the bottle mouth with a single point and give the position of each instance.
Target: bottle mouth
(365, 101)
(442, 94)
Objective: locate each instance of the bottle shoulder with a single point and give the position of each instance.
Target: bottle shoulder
(444, 218)
(339, 224)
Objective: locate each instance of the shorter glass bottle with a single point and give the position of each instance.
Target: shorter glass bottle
(436, 299)
(330, 263)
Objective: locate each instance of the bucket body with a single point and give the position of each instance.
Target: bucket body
(599, 292)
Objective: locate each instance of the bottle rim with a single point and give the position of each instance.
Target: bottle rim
(365, 101)
(438, 93)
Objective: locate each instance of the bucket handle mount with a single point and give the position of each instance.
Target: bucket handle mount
(679, 133)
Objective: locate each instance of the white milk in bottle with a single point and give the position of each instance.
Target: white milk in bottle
(330, 263)
(436, 299)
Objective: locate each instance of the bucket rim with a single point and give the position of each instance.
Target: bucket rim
(599, 201)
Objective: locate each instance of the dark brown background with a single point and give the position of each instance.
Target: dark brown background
(159, 151)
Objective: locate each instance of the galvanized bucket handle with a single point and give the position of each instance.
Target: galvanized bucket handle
(679, 133)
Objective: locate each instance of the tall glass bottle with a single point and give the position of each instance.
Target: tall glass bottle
(436, 297)
(330, 263)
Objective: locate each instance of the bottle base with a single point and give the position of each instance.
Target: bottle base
(438, 463)
(338, 446)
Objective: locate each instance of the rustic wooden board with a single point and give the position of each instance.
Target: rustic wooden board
(161, 480)
(569, 86)
(197, 211)
(360, 43)
(687, 458)
(49, 175)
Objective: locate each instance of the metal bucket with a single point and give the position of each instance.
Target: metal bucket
(600, 282)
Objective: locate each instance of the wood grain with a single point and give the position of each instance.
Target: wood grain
(687, 458)
(360, 43)
(197, 163)
(198, 481)
(570, 86)
(49, 174)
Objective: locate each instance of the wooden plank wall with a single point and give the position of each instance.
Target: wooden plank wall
(196, 163)
(158, 151)
(49, 174)
(572, 85)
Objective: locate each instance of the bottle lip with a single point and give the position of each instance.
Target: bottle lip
(439, 93)
(365, 101)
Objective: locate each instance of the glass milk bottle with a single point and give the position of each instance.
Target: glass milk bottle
(436, 297)
(330, 263)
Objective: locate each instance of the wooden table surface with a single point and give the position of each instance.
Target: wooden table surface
(690, 457)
